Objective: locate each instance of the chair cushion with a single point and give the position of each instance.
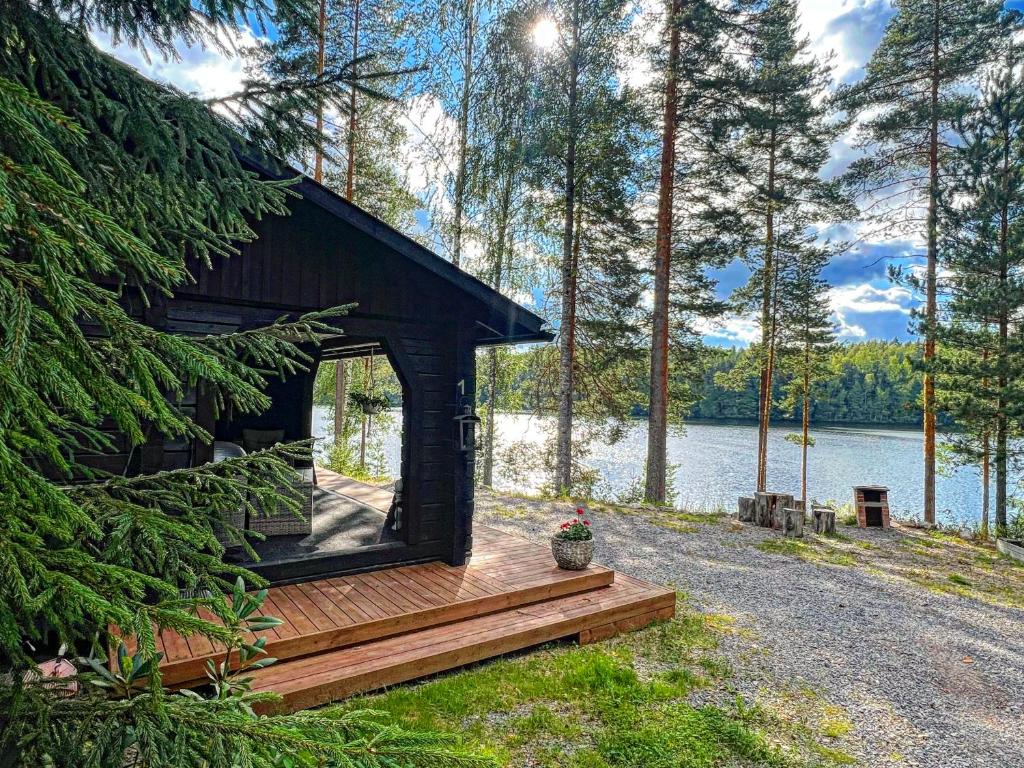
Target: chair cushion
(261, 439)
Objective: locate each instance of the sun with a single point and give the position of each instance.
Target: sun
(545, 33)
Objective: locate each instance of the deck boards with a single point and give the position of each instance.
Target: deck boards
(348, 634)
(591, 616)
(504, 572)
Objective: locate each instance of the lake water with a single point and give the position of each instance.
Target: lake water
(714, 463)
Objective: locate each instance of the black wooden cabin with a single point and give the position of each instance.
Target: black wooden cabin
(427, 316)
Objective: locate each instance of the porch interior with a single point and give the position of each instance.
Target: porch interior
(360, 632)
(346, 515)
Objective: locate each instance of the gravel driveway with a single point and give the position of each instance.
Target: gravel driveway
(928, 679)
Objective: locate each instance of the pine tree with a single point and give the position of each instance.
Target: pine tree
(690, 233)
(787, 134)
(108, 181)
(808, 333)
(373, 36)
(914, 87)
(981, 358)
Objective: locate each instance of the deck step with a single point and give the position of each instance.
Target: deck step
(328, 614)
(593, 615)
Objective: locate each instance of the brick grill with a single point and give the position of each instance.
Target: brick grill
(872, 505)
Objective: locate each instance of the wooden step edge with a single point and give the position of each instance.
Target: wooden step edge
(588, 627)
(183, 672)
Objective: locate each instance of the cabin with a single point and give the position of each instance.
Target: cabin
(424, 591)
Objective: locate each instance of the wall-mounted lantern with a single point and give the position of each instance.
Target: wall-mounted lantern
(466, 423)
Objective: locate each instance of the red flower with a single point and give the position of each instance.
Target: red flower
(586, 522)
(579, 511)
(565, 525)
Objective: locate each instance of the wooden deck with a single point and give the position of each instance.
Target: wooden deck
(359, 632)
(371, 496)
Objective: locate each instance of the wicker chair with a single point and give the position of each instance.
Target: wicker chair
(283, 521)
(236, 518)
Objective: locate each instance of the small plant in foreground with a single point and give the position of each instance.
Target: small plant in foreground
(575, 529)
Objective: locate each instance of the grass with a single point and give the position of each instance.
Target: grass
(813, 550)
(626, 703)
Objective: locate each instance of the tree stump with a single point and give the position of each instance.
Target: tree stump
(768, 508)
(763, 509)
(792, 522)
(746, 509)
(824, 520)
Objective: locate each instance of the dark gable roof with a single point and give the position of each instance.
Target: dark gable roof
(520, 324)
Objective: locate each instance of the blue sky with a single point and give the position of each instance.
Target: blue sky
(865, 304)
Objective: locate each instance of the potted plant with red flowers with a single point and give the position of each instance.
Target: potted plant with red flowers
(573, 544)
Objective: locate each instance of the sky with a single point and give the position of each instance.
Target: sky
(865, 304)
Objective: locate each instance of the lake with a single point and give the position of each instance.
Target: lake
(714, 463)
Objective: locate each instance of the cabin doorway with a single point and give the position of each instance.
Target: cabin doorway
(359, 418)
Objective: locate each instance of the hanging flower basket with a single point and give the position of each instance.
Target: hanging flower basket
(573, 544)
(370, 403)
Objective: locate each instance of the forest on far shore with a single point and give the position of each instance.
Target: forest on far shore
(868, 382)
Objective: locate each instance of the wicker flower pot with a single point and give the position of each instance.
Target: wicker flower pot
(572, 555)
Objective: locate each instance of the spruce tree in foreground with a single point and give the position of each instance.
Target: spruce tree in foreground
(107, 182)
(915, 86)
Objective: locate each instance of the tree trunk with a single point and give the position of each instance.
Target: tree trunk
(469, 35)
(350, 170)
(657, 425)
(986, 468)
(1002, 425)
(792, 522)
(805, 424)
(767, 322)
(340, 401)
(321, 62)
(364, 426)
(824, 520)
(487, 465)
(567, 336)
(501, 243)
(746, 509)
(931, 279)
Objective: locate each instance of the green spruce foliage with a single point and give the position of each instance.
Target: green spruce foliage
(107, 183)
(980, 363)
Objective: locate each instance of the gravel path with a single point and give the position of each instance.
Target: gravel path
(928, 680)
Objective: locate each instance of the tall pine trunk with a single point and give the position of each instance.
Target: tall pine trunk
(657, 427)
(805, 425)
(986, 475)
(350, 170)
(567, 335)
(469, 33)
(931, 278)
(767, 322)
(321, 63)
(1002, 427)
(350, 191)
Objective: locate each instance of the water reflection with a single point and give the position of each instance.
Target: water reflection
(714, 463)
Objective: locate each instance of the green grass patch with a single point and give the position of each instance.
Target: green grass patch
(625, 703)
(813, 551)
(956, 578)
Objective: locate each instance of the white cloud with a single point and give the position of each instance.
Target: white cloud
(205, 71)
(735, 329)
(868, 299)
